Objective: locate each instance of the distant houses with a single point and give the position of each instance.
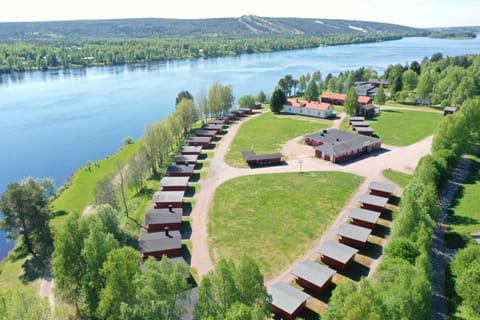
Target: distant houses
(308, 108)
(369, 88)
(339, 98)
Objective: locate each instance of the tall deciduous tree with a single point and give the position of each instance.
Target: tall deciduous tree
(351, 102)
(247, 101)
(220, 98)
(137, 170)
(277, 100)
(425, 86)
(185, 94)
(24, 304)
(188, 112)
(302, 83)
(380, 97)
(261, 97)
(409, 80)
(312, 91)
(202, 104)
(119, 272)
(105, 193)
(26, 214)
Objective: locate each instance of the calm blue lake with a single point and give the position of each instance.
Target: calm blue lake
(53, 122)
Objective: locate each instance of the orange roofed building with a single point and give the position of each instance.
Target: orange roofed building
(339, 98)
(308, 108)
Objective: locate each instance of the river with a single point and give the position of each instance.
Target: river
(53, 122)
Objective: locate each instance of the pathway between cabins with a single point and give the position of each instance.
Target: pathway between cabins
(440, 255)
(298, 156)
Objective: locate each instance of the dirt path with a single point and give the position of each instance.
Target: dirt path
(47, 285)
(298, 156)
(440, 255)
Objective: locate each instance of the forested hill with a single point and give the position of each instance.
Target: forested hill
(242, 27)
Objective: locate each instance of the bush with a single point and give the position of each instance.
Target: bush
(127, 140)
(403, 249)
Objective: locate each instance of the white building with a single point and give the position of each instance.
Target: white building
(308, 108)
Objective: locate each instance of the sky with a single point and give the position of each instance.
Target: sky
(414, 13)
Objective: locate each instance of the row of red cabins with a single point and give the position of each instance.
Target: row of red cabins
(164, 218)
(289, 302)
(360, 126)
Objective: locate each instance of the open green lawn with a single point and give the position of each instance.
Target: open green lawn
(407, 106)
(399, 178)
(466, 210)
(276, 217)
(404, 127)
(266, 133)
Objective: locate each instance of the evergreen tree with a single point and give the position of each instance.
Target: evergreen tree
(278, 100)
(380, 97)
(351, 102)
(312, 91)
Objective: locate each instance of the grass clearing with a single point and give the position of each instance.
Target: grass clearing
(465, 217)
(399, 178)
(404, 127)
(267, 132)
(407, 106)
(276, 217)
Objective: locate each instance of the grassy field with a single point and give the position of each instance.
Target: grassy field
(406, 106)
(276, 217)
(266, 134)
(404, 127)
(399, 178)
(466, 210)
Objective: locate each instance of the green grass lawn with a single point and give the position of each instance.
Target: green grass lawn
(266, 133)
(404, 127)
(466, 210)
(401, 105)
(399, 178)
(276, 217)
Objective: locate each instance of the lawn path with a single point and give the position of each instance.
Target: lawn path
(298, 156)
(440, 255)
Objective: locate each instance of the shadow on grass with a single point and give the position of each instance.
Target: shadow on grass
(355, 271)
(186, 229)
(195, 177)
(59, 213)
(190, 192)
(325, 295)
(216, 139)
(387, 215)
(394, 200)
(455, 240)
(372, 250)
(381, 231)
(308, 314)
(202, 156)
(186, 255)
(34, 268)
(148, 192)
(211, 146)
(198, 166)
(187, 208)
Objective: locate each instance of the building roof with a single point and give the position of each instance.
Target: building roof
(337, 251)
(451, 109)
(364, 99)
(338, 142)
(200, 139)
(354, 119)
(252, 156)
(364, 87)
(168, 196)
(174, 182)
(217, 121)
(364, 215)
(213, 127)
(179, 168)
(333, 96)
(313, 272)
(364, 129)
(186, 158)
(367, 106)
(210, 133)
(316, 105)
(373, 200)
(381, 186)
(286, 297)
(354, 232)
(191, 149)
(163, 216)
(378, 81)
(360, 124)
(159, 241)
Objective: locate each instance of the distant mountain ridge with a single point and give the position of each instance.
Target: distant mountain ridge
(242, 27)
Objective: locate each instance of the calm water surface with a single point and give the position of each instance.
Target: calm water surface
(53, 122)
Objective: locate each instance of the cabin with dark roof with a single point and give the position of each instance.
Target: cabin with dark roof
(206, 133)
(449, 110)
(217, 128)
(287, 302)
(337, 255)
(254, 159)
(158, 244)
(364, 131)
(353, 235)
(217, 122)
(339, 98)
(381, 189)
(245, 111)
(364, 218)
(351, 120)
(336, 145)
(357, 124)
(199, 141)
(374, 203)
(377, 83)
(188, 150)
(157, 220)
(185, 159)
(313, 276)
(178, 170)
(167, 199)
(174, 183)
(366, 110)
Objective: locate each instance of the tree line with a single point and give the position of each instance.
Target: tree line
(45, 55)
